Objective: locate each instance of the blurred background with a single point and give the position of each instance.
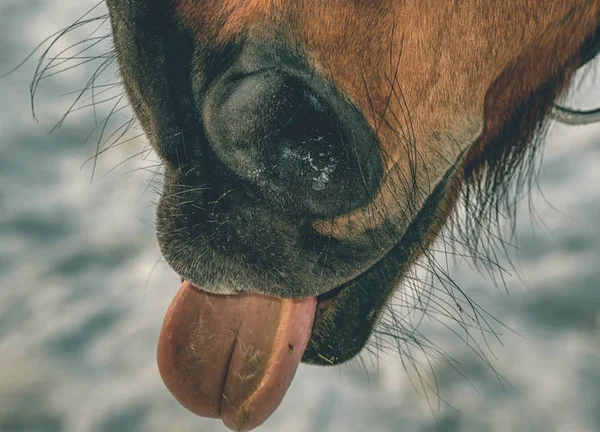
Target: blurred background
(83, 289)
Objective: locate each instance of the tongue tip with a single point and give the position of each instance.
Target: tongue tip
(232, 357)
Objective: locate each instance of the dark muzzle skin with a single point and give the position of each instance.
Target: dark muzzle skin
(256, 147)
(274, 148)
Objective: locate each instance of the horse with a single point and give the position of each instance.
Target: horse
(313, 151)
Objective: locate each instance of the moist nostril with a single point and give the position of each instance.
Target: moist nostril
(274, 130)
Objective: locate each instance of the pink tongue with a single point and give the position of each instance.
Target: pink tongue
(232, 357)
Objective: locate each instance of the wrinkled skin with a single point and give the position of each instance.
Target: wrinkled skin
(315, 149)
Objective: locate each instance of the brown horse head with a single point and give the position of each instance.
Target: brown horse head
(312, 151)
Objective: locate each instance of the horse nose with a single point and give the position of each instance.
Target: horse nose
(275, 131)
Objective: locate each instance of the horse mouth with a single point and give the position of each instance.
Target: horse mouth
(233, 357)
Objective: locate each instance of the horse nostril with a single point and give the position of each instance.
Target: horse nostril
(274, 130)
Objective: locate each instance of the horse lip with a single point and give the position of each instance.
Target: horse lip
(356, 305)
